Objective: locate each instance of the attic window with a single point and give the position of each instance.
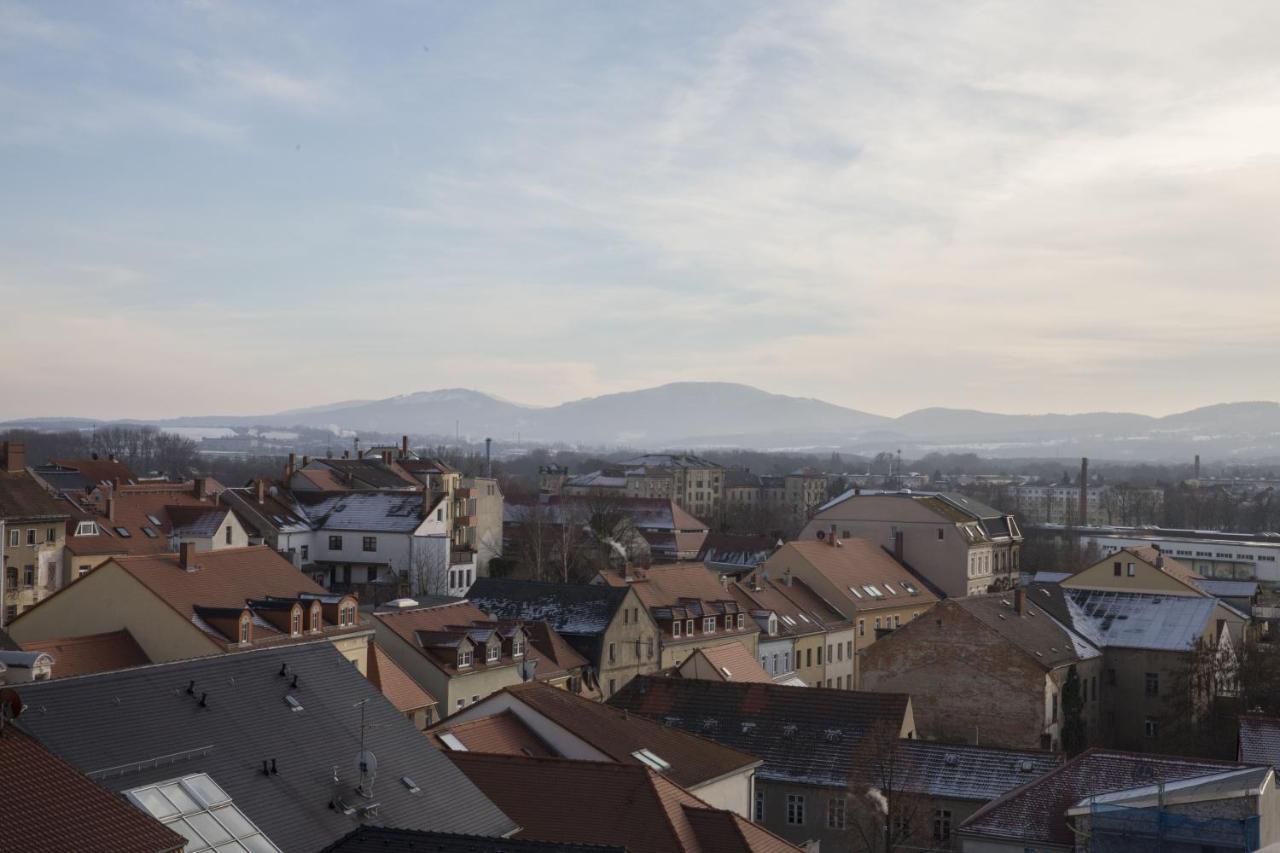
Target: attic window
(87, 528)
(317, 622)
(464, 657)
(123, 532)
(295, 622)
(651, 760)
(872, 590)
(855, 592)
(889, 587)
(517, 646)
(910, 588)
(450, 740)
(492, 652)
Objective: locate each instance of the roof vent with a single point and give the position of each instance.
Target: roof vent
(832, 735)
(1025, 766)
(951, 759)
(294, 704)
(410, 784)
(789, 729)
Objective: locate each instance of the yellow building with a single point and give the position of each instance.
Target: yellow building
(35, 533)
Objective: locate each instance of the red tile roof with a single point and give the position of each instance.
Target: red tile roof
(99, 470)
(727, 662)
(445, 621)
(394, 683)
(91, 653)
(855, 563)
(618, 734)
(555, 799)
(503, 733)
(47, 806)
(132, 508)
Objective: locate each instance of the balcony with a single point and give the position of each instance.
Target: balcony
(461, 556)
(463, 493)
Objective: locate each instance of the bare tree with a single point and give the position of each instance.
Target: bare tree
(429, 566)
(885, 813)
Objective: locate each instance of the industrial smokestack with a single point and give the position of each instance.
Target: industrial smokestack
(488, 457)
(1082, 514)
(1197, 466)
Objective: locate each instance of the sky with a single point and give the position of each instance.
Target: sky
(240, 208)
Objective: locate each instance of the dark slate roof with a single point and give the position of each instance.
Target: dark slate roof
(1035, 631)
(963, 772)
(572, 609)
(1260, 739)
(106, 724)
(1035, 813)
(805, 735)
(372, 472)
(378, 839)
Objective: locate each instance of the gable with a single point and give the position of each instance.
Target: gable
(1145, 577)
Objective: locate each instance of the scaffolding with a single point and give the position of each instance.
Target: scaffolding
(1115, 828)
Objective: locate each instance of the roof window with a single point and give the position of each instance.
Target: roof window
(651, 760)
(293, 703)
(148, 532)
(154, 520)
(856, 594)
(196, 808)
(123, 532)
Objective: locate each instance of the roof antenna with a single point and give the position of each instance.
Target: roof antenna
(294, 685)
(191, 687)
(284, 669)
(204, 700)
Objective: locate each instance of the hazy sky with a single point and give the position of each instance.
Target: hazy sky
(1018, 206)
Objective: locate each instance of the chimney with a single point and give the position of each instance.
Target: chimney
(1082, 512)
(111, 457)
(488, 457)
(111, 508)
(262, 490)
(289, 467)
(306, 460)
(1019, 601)
(426, 501)
(1197, 466)
(786, 578)
(386, 457)
(187, 556)
(404, 447)
(359, 454)
(14, 456)
(831, 538)
(899, 547)
(201, 487)
(346, 454)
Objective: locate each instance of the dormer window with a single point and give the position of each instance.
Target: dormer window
(688, 627)
(464, 657)
(517, 646)
(742, 621)
(773, 624)
(492, 652)
(87, 528)
(295, 622)
(709, 625)
(317, 621)
(347, 614)
(246, 633)
(675, 628)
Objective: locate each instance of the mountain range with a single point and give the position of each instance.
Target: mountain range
(692, 415)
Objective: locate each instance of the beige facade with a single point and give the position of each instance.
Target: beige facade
(33, 562)
(629, 646)
(484, 536)
(453, 690)
(676, 650)
(959, 551)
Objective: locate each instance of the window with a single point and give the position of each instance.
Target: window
(440, 517)
(11, 576)
(819, 655)
(31, 536)
(244, 630)
(808, 657)
(10, 613)
(464, 658)
(1053, 707)
(613, 652)
(612, 688)
(877, 623)
(306, 553)
(51, 535)
(295, 622)
(709, 625)
(675, 628)
(347, 615)
(839, 651)
(1153, 683)
(688, 627)
(897, 620)
(862, 627)
(942, 825)
(835, 809)
(227, 534)
(517, 646)
(830, 659)
(1115, 567)
(492, 652)
(1130, 570)
(335, 543)
(369, 543)
(28, 575)
(795, 809)
(1152, 727)
(786, 661)
(317, 623)
(728, 621)
(848, 648)
(742, 621)
(460, 704)
(758, 814)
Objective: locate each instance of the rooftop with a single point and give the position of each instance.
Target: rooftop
(572, 609)
(725, 662)
(393, 682)
(962, 772)
(48, 806)
(555, 799)
(91, 653)
(866, 576)
(805, 735)
(226, 715)
(1129, 619)
(1035, 813)
(1034, 631)
(1260, 739)
(381, 839)
(503, 733)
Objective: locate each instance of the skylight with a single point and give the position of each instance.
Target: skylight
(872, 590)
(889, 587)
(154, 520)
(855, 592)
(651, 760)
(196, 808)
(123, 532)
(148, 532)
(910, 587)
(450, 740)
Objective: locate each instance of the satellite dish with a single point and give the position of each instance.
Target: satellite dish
(367, 770)
(822, 534)
(10, 706)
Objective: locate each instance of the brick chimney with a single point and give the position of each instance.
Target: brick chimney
(14, 456)
(187, 556)
(404, 447)
(899, 547)
(262, 490)
(426, 501)
(831, 536)
(386, 457)
(289, 466)
(201, 487)
(1019, 601)
(306, 460)
(111, 508)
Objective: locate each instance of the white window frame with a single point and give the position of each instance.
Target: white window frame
(795, 810)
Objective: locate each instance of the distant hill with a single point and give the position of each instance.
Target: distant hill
(722, 414)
